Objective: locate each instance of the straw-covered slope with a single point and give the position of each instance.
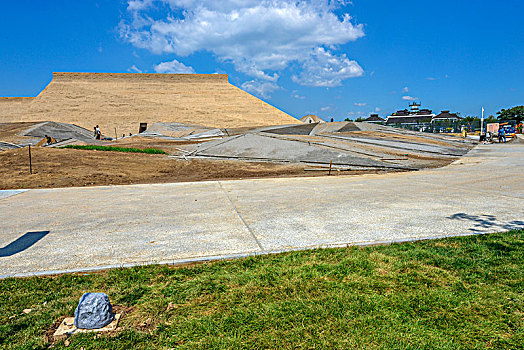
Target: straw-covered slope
(13, 109)
(122, 101)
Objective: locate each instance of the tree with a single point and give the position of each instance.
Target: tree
(491, 119)
(470, 119)
(348, 120)
(515, 113)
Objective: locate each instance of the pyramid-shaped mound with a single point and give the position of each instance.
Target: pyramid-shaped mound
(123, 100)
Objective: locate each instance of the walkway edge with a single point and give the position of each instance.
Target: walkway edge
(211, 258)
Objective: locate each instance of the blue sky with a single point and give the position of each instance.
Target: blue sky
(331, 58)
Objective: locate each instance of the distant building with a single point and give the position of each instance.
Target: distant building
(311, 118)
(446, 116)
(374, 118)
(413, 116)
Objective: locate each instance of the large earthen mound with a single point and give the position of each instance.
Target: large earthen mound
(122, 101)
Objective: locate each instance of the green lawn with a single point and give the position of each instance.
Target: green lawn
(459, 293)
(117, 149)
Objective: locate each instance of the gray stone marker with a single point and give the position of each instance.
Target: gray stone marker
(93, 311)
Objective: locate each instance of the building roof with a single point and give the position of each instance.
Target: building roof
(412, 116)
(402, 112)
(413, 110)
(374, 118)
(447, 115)
(409, 120)
(313, 117)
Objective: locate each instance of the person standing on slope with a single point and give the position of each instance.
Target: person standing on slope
(98, 134)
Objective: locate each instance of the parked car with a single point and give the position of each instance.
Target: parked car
(509, 130)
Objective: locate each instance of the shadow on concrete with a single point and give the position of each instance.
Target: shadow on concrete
(486, 221)
(22, 243)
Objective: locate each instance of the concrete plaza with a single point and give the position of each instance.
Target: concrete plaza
(45, 231)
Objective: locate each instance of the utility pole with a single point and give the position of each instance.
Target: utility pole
(482, 122)
(30, 164)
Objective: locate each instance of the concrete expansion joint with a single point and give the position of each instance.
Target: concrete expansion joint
(240, 216)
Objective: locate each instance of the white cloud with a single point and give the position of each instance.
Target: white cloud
(325, 108)
(405, 90)
(360, 104)
(259, 37)
(137, 5)
(431, 78)
(260, 88)
(173, 67)
(377, 109)
(323, 69)
(299, 97)
(409, 98)
(134, 69)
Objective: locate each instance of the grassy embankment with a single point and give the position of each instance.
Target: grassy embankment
(457, 293)
(117, 149)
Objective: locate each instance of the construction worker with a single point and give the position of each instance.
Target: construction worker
(98, 134)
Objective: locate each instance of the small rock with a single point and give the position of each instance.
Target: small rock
(26, 311)
(67, 342)
(93, 311)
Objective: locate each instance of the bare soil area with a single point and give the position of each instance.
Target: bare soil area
(432, 139)
(53, 168)
(10, 132)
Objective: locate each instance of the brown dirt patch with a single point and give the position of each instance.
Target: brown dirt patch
(54, 168)
(12, 129)
(10, 132)
(117, 309)
(51, 331)
(432, 139)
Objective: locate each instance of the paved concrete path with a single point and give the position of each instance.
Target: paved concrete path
(75, 229)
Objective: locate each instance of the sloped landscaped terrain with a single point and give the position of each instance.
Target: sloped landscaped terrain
(123, 101)
(195, 153)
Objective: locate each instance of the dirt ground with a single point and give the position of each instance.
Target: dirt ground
(9, 132)
(54, 168)
(432, 139)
